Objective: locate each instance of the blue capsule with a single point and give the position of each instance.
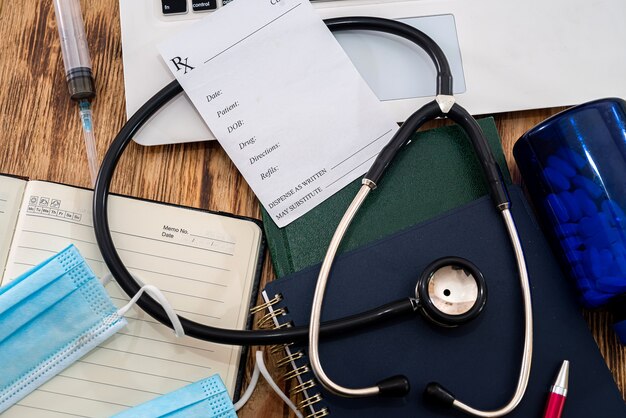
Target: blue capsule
(593, 298)
(555, 179)
(569, 201)
(588, 185)
(573, 157)
(588, 226)
(606, 259)
(585, 203)
(562, 166)
(618, 248)
(597, 232)
(611, 284)
(572, 244)
(593, 263)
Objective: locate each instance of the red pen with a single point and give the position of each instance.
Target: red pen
(558, 393)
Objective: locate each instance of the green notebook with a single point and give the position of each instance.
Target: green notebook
(435, 172)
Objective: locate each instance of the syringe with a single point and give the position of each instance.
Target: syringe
(78, 71)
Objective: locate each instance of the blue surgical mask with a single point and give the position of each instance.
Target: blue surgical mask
(206, 398)
(50, 317)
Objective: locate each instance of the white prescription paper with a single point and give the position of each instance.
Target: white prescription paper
(283, 99)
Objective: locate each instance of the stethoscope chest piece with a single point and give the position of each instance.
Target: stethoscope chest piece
(451, 291)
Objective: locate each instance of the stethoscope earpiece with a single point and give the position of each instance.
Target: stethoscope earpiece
(394, 387)
(436, 393)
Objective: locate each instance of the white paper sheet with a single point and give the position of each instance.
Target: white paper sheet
(283, 99)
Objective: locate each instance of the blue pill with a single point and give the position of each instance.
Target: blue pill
(555, 179)
(610, 284)
(618, 248)
(588, 226)
(603, 239)
(597, 241)
(606, 257)
(592, 263)
(570, 203)
(606, 261)
(595, 299)
(590, 186)
(565, 230)
(556, 208)
(571, 243)
(585, 203)
(573, 157)
(613, 270)
(605, 220)
(562, 166)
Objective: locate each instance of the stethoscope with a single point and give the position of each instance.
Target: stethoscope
(450, 291)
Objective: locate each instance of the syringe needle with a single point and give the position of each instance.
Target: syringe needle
(90, 140)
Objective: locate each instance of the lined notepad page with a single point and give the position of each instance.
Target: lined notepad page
(204, 263)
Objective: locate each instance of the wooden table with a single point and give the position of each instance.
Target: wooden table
(40, 138)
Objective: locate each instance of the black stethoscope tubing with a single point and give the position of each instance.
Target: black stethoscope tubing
(285, 335)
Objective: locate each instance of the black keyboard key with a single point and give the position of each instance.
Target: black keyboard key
(172, 7)
(203, 5)
(225, 2)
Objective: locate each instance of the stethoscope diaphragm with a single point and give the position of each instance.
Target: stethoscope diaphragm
(451, 291)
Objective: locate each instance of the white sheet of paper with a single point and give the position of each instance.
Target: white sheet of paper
(283, 99)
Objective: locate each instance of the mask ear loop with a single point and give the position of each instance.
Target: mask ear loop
(105, 280)
(157, 295)
(259, 368)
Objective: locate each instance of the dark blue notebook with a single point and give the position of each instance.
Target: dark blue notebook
(478, 362)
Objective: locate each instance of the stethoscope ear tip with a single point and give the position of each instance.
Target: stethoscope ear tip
(394, 387)
(436, 393)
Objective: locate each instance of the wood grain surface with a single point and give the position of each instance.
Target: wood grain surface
(40, 138)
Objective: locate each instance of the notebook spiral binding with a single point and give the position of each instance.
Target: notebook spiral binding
(299, 369)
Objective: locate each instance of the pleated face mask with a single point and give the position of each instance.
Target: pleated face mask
(206, 398)
(50, 317)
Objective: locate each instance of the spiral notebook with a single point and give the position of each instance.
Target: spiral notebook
(478, 362)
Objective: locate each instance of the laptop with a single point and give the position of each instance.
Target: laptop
(505, 55)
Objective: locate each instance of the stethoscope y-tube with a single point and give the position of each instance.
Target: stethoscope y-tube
(442, 106)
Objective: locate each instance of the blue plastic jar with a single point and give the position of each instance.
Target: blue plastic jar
(574, 167)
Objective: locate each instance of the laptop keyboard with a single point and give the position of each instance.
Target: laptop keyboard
(176, 7)
(179, 7)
